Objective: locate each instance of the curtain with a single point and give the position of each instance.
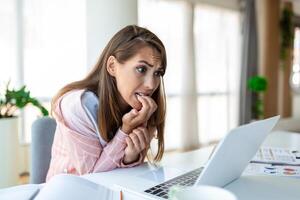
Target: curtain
(189, 115)
(249, 60)
(203, 47)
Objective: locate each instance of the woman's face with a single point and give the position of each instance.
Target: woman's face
(140, 75)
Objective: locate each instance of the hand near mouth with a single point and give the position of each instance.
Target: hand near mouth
(148, 107)
(136, 118)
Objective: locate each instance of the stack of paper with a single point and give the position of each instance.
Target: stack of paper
(275, 162)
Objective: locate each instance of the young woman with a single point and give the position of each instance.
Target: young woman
(108, 119)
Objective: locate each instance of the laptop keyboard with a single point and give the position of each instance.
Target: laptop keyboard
(187, 179)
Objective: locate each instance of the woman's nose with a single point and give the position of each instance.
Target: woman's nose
(150, 83)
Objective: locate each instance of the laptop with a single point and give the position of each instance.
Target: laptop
(226, 164)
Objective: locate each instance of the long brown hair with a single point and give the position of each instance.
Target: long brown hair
(123, 46)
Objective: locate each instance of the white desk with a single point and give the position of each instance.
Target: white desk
(245, 188)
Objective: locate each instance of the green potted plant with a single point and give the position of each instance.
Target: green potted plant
(258, 85)
(11, 101)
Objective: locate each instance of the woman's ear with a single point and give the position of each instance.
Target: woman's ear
(111, 65)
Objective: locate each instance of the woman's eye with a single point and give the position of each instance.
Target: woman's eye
(159, 73)
(141, 69)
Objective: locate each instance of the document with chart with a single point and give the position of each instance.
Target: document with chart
(275, 161)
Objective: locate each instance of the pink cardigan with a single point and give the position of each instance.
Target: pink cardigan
(76, 147)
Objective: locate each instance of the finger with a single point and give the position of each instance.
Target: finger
(152, 106)
(140, 119)
(145, 124)
(142, 100)
(136, 141)
(148, 107)
(127, 121)
(146, 134)
(129, 143)
(130, 115)
(145, 107)
(151, 103)
(142, 140)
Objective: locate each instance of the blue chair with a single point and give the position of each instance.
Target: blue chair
(42, 135)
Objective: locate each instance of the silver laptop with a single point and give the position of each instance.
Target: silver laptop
(226, 164)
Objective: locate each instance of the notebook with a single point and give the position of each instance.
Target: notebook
(60, 187)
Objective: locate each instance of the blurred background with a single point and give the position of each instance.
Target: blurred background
(229, 62)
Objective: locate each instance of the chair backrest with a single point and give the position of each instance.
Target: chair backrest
(42, 135)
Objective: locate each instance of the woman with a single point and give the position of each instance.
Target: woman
(108, 119)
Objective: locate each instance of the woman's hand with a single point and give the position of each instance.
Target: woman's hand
(138, 141)
(136, 118)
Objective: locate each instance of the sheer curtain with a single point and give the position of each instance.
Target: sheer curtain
(217, 42)
(249, 61)
(8, 47)
(211, 64)
(43, 45)
(54, 48)
(167, 23)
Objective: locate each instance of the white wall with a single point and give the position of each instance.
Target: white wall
(104, 19)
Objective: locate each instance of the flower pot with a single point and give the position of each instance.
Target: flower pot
(9, 147)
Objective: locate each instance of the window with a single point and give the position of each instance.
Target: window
(167, 25)
(295, 77)
(54, 44)
(53, 47)
(295, 71)
(217, 47)
(217, 38)
(8, 47)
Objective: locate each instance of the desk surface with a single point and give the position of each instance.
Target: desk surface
(245, 188)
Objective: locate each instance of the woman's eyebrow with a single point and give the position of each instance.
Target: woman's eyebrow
(145, 62)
